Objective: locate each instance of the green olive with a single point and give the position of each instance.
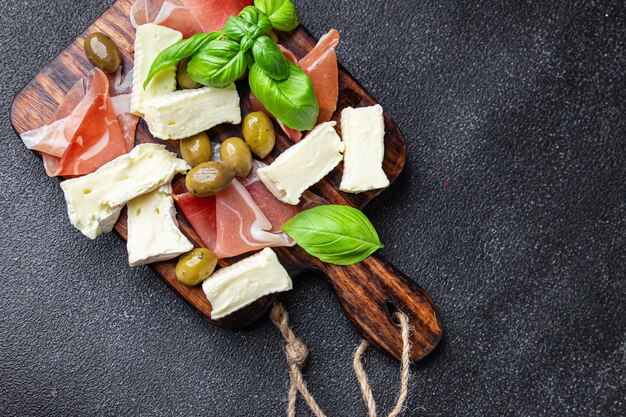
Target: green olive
(258, 131)
(184, 82)
(236, 155)
(196, 149)
(195, 266)
(208, 178)
(102, 52)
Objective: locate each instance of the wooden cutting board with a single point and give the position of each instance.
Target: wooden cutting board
(369, 292)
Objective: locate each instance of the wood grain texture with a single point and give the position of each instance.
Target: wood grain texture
(366, 290)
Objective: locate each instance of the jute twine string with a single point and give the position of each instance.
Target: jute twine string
(297, 353)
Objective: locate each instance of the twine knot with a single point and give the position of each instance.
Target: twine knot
(297, 352)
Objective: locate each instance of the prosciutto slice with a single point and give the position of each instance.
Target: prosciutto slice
(186, 16)
(321, 66)
(241, 225)
(231, 222)
(85, 133)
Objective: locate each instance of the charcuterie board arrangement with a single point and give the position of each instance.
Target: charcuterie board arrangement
(232, 152)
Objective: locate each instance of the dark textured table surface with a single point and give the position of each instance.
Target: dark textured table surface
(510, 213)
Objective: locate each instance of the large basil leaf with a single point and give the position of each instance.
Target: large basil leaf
(292, 101)
(339, 235)
(184, 49)
(257, 19)
(218, 64)
(282, 13)
(236, 28)
(270, 58)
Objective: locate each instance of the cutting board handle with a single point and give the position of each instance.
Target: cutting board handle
(371, 291)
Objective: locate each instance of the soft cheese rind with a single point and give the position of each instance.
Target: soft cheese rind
(184, 113)
(150, 41)
(239, 285)
(303, 164)
(153, 233)
(363, 133)
(94, 201)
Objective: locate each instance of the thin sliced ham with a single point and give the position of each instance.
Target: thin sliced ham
(186, 16)
(200, 211)
(275, 210)
(71, 100)
(88, 136)
(321, 66)
(212, 14)
(232, 222)
(241, 225)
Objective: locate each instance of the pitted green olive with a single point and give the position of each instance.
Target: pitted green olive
(259, 133)
(208, 178)
(184, 82)
(102, 52)
(236, 155)
(196, 266)
(196, 149)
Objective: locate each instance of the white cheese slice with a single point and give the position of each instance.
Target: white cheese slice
(363, 133)
(153, 233)
(150, 41)
(304, 164)
(184, 113)
(94, 201)
(234, 287)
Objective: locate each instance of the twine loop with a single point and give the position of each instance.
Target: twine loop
(297, 353)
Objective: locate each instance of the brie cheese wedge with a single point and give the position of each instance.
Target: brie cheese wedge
(153, 233)
(363, 133)
(94, 201)
(239, 285)
(184, 113)
(303, 164)
(150, 41)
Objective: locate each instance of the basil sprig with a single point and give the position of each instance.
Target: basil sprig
(221, 58)
(339, 235)
(184, 49)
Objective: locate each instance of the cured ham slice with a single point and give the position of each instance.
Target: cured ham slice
(87, 137)
(212, 14)
(241, 225)
(321, 66)
(275, 210)
(231, 222)
(69, 103)
(186, 16)
(200, 211)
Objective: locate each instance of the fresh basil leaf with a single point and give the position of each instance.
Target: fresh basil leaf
(339, 235)
(282, 13)
(257, 19)
(218, 64)
(270, 58)
(236, 28)
(292, 101)
(184, 49)
(246, 43)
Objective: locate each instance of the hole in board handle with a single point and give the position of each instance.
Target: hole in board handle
(392, 309)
